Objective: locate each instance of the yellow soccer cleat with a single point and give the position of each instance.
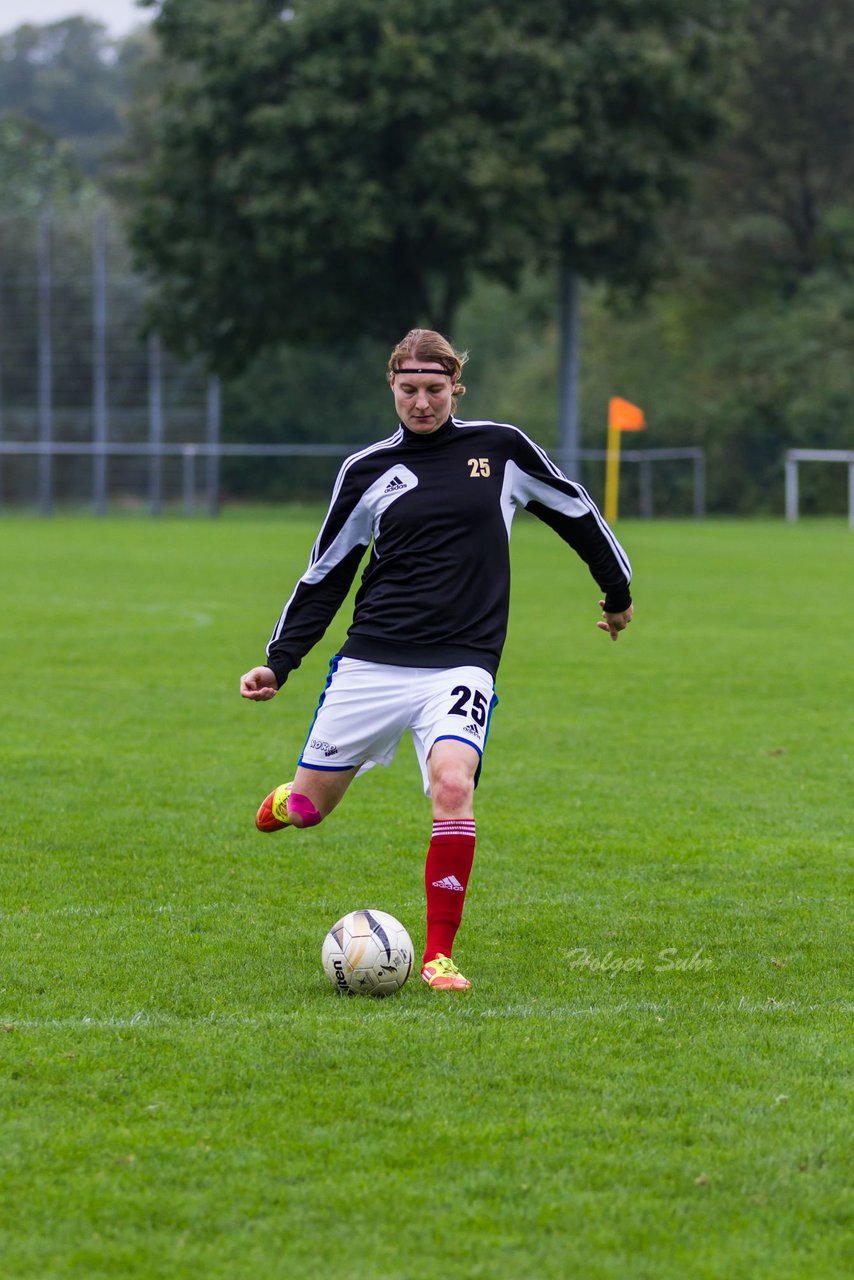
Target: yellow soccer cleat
(442, 974)
(273, 814)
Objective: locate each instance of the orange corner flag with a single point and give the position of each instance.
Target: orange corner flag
(624, 416)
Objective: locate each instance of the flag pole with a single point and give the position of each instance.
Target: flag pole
(612, 474)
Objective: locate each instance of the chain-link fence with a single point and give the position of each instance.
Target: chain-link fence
(93, 409)
(87, 399)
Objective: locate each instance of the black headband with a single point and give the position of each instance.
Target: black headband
(448, 372)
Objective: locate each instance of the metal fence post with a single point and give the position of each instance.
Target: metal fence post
(213, 420)
(188, 470)
(700, 485)
(569, 398)
(99, 363)
(45, 358)
(791, 489)
(645, 478)
(155, 424)
(1, 396)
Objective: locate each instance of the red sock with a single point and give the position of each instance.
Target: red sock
(446, 876)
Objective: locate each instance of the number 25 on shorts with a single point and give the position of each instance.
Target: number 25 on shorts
(479, 706)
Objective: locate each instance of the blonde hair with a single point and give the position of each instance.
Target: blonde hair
(427, 344)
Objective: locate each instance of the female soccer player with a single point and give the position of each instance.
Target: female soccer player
(434, 502)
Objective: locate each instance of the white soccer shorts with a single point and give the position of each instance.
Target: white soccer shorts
(367, 707)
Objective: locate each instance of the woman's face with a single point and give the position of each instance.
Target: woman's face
(422, 400)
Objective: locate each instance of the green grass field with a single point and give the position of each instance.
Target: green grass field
(648, 1080)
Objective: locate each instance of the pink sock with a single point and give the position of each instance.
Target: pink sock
(302, 806)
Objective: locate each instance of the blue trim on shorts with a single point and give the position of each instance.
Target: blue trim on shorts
(333, 667)
(455, 737)
(478, 748)
(493, 704)
(328, 768)
(443, 737)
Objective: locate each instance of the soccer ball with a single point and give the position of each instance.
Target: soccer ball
(367, 953)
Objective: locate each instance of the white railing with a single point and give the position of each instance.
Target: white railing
(644, 460)
(210, 452)
(795, 456)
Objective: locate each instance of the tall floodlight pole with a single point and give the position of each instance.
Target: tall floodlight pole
(45, 368)
(569, 363)
(99, 363)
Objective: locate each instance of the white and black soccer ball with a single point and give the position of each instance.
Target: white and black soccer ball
(367, 953)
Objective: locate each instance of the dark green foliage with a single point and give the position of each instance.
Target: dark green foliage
(351, 168)
(774, 373)
(304, 395)
(744, 345)
(67, 78)
(36, 169)
(749, 349)
(785, 170)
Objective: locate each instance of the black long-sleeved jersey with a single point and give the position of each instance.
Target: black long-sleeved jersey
(438, 509)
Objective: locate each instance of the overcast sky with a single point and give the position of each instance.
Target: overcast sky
(118, 16)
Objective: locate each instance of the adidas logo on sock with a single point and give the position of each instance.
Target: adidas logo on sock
(449, 882)
(394, 485)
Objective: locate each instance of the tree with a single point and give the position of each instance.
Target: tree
(748, 350)
(776, 194)
(35, 169)
(346, 166)
(69, 79)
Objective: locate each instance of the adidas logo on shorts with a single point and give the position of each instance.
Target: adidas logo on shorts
(394, 485)
(473, 730)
